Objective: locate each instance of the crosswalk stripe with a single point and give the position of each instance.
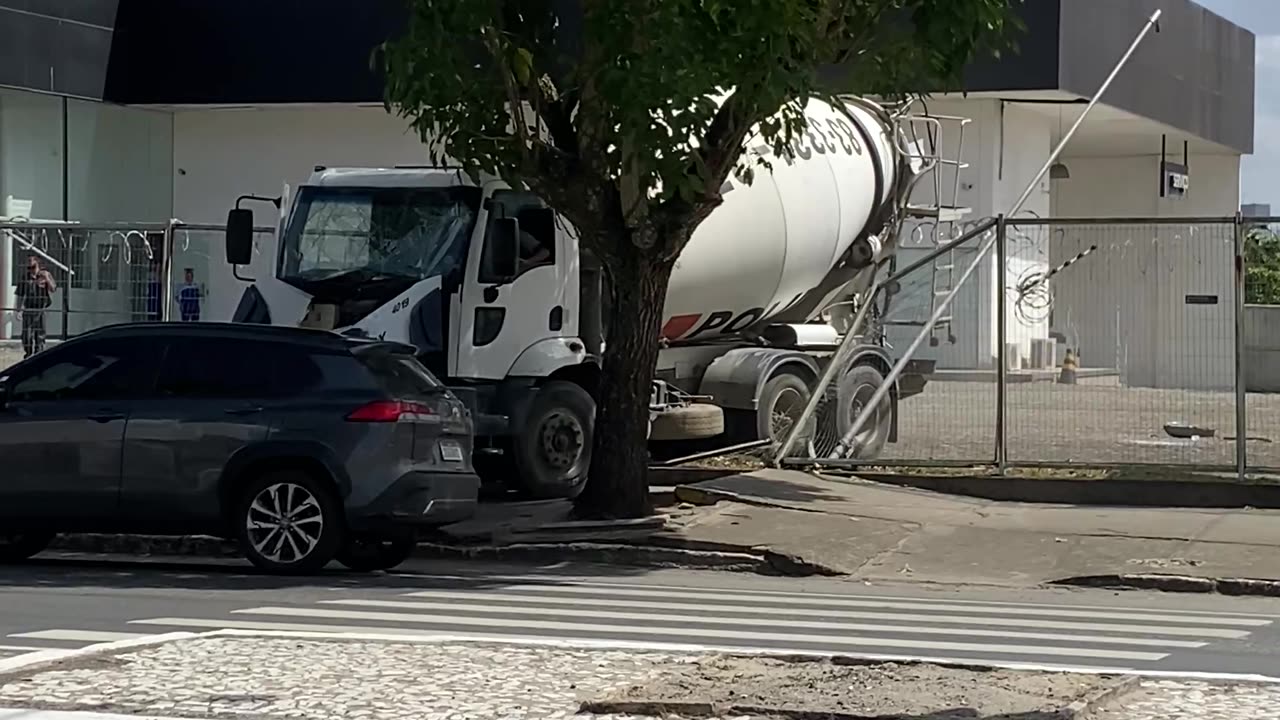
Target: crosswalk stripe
(758, 621)
(798, 599)
(22, 648)
(521, 601)
(705, 632)
(541, 581)
(454, 635)
(78, 635)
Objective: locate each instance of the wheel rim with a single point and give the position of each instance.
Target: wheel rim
(285, 523)
(562, 441)
(786, 410)
(868, 431)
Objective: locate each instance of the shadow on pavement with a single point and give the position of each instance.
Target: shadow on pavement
(73, 570)
(776, 487)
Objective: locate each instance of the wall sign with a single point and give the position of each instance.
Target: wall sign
(1175, 178)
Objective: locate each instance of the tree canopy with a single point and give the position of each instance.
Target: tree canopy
(618, 96)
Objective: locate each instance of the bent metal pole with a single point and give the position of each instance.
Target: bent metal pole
(878, 397)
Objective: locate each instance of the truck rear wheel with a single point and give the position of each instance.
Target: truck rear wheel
(782, 401)
(553, 448)
(854, 390)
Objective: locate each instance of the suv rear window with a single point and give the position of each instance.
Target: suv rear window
(401, 374)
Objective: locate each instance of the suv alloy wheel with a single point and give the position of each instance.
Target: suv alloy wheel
(288, 522)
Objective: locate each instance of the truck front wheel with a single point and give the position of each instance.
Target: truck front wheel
(553, 447)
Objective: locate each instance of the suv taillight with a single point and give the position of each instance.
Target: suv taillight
(388, 411)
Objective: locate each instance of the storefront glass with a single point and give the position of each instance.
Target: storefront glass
(96, 164)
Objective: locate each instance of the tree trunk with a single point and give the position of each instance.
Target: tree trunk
(618, 484)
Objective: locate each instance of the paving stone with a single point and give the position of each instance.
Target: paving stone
(1196, 700)
(285, 678)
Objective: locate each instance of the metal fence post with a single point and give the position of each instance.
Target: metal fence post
(66, 307)
(1242, 417)
(1002, 360)
(166, 272)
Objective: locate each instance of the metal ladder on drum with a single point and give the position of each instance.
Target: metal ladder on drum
(941, 219)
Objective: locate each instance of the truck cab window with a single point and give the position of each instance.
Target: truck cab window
(537, 232)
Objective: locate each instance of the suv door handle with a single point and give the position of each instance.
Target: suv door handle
(248, 410)
(103, 416)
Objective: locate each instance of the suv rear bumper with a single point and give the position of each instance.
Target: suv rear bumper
(421, 499)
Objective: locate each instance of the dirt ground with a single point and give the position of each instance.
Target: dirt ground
(752, 685)
(1083, 424)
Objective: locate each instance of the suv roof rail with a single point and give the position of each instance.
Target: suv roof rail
(218, 327)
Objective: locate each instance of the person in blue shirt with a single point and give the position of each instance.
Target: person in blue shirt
(189, 297)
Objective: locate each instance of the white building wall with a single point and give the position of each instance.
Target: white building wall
(220, 155)
(1124, 305)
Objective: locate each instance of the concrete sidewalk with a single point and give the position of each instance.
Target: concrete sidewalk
(872, 531)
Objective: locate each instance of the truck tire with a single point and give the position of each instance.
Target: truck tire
(553, 448)
(854, 390)
(782, 400)
(696, 421)
(367, 554)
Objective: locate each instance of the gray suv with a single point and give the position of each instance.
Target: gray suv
(303, 445)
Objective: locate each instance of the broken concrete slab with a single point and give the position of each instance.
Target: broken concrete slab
(845, 689)
(890, 533)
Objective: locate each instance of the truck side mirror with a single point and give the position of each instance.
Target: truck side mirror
(504, 251)
(240, 236)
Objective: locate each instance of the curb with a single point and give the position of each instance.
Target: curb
(1255, 587)
(1114, 492)
(44, 659)
(657, 552)
(605, 553)
(1083, 707)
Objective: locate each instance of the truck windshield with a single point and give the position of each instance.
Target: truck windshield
(377, 232)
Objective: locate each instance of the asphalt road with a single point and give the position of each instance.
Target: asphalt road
(69, 601)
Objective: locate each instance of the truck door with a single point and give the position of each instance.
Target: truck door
(500, 317)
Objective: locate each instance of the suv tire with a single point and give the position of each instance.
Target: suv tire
(20, 546)
(367, 554)
(289, 523)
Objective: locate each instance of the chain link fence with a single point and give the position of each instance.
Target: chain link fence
(1073, 342)
(101, 275)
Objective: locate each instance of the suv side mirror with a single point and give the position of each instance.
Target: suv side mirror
(504, 257)
(240, 236)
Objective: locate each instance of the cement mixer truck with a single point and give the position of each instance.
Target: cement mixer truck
(510, 311)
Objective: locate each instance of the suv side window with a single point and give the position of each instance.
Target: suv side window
(336, 372)
(110, 369)
(217, 368)
(400, 375)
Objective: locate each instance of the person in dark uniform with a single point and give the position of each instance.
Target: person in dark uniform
(189, 297)
(34, 295)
